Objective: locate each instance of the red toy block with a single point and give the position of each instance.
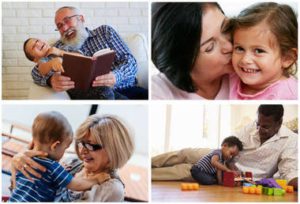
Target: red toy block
(248, 174)
(228, 179)
(231, 181)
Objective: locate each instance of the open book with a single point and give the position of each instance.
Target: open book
(83, 70)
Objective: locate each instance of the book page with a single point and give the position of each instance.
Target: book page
(101, 52)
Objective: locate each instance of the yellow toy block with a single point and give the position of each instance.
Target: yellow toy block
(282, 183)
(289, 189)
(246, 189)
(252, 189)
(258, 190)
(184, 186)
(189, 186)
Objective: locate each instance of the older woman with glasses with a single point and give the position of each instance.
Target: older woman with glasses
(103, 144)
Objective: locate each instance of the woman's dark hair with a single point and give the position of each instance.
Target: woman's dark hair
(272, 110)
(176, 34)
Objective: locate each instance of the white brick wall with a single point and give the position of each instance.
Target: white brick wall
(34, 19)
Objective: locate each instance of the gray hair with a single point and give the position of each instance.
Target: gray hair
(76, 10)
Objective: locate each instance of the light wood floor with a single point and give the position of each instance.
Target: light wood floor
(171, 192)
(135, 179)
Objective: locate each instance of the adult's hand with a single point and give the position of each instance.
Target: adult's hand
(105, 80)
(61, 83)
(24, 163)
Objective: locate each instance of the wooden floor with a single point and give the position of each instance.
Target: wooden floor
(135, 179)
(171, 192)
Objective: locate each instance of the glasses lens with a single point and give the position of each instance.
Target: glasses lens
(90, 147)
(80, 145)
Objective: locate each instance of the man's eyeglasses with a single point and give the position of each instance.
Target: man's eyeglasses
(66, 20)
(88, 146)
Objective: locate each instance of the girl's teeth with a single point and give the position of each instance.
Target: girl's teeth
(249, 70)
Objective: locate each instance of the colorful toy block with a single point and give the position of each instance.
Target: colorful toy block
(230, 181)
(246, 189)
(248, 174)
(278, 192)
(252, 189)
(265, 190)
(289, 189)
(190, 186)
(282, 183)
(258, 190)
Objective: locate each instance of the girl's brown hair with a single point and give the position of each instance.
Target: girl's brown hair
(282, 22)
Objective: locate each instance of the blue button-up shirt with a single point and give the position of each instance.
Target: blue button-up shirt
(124, 67)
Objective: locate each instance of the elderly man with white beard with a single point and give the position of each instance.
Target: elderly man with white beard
(75, 37)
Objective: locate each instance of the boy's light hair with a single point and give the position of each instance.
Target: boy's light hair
(112, 134)
(50, 127)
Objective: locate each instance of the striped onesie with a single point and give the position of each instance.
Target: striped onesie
(43, 189)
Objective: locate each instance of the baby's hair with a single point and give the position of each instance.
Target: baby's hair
(27, 54)
(51, 126)
(232, 141)
(282, 22)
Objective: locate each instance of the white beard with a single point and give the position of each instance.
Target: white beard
(76, 42)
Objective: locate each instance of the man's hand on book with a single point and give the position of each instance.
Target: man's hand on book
(105, 80)
(61, 83)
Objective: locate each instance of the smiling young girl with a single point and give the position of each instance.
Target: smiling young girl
(264, 53)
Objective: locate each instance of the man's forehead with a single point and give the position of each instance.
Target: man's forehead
(62, 13)
(263, 118)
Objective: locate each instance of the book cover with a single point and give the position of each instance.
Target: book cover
(83, 70)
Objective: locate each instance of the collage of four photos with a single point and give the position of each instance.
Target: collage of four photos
(149, 101)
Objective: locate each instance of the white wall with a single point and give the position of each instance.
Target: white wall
(192, 127)
(21, 20)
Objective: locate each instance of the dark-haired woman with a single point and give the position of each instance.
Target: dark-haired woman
(191, 51)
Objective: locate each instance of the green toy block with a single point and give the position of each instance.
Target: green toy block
(279, 192)
(269, 191)
(264, 190)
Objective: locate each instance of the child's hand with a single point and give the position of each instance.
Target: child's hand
(55, 51)
(236, 173)
(56, 65)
